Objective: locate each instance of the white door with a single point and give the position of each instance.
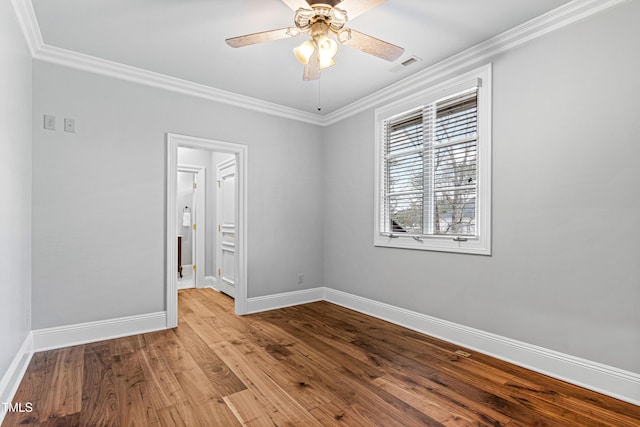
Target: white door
(227, 227)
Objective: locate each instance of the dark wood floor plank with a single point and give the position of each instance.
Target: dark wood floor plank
(281, 407)
(331, 346)
(34, 388)
(216, 371)
(207, 405)
(584, 407)
(314, 364)
(304, 383)
(429, 403)
(377, 404)
(178, 415)
(339, 414)
(469, 405)
(65, 395)
(176, 357)
(204, 326)
(130, 381)
(100, 405)
(215, 307)
(66, 421)
(163, 388)
(282, 345)
(127, 345)
(246, 406)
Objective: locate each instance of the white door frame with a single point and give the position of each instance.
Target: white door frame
(198, 217)
(241, 152)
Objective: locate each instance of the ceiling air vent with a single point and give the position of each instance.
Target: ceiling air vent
(406, 63)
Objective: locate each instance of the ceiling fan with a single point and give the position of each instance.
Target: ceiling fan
(324, 21)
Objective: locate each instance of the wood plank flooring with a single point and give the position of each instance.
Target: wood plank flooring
(312, 365)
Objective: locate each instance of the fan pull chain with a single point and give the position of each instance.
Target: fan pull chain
(319, 103)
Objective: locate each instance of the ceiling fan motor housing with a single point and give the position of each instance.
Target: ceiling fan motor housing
(334, 18)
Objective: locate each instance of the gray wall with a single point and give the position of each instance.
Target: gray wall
(15, 186)
(99, 195)
(565, 270)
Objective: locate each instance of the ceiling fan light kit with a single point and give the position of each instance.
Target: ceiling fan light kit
(325, 24)
(320, 44)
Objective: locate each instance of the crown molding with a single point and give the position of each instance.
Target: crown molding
(29, 24)
(558, 18)
(41, 51)
(477, 55)
(117, 70)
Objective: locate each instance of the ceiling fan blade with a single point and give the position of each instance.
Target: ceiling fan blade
(370, 45)
(312, 69)
(296, 4)
(358, 7)
(265, 36)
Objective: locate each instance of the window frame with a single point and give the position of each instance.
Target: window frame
(481, 243)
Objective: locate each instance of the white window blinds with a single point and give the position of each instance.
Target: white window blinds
(430, 169)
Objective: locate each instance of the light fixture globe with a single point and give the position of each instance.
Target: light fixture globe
(327, 50)
(327, 46)
(325, 62)
(304, 51)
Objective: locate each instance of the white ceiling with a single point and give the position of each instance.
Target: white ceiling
(185, 39)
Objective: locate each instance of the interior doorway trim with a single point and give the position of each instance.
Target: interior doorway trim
(241, 153)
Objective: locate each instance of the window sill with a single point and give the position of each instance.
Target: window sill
(473, 246)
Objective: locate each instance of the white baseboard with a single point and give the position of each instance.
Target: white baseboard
(209, 282)
(82, 333)
(287, 299)
(12, 378)
(614, 382)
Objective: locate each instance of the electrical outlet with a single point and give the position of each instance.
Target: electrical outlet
(49, 122)
(69, 125)
(300, 278)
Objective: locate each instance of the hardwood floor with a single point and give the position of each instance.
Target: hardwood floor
(316, 364)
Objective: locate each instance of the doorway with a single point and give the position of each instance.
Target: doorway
(237, 265)
(191, 190)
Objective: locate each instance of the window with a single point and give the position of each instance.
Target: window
(433, 155)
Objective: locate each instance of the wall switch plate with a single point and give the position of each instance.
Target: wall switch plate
(70, 125)
(49, 122)
(300, 278)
